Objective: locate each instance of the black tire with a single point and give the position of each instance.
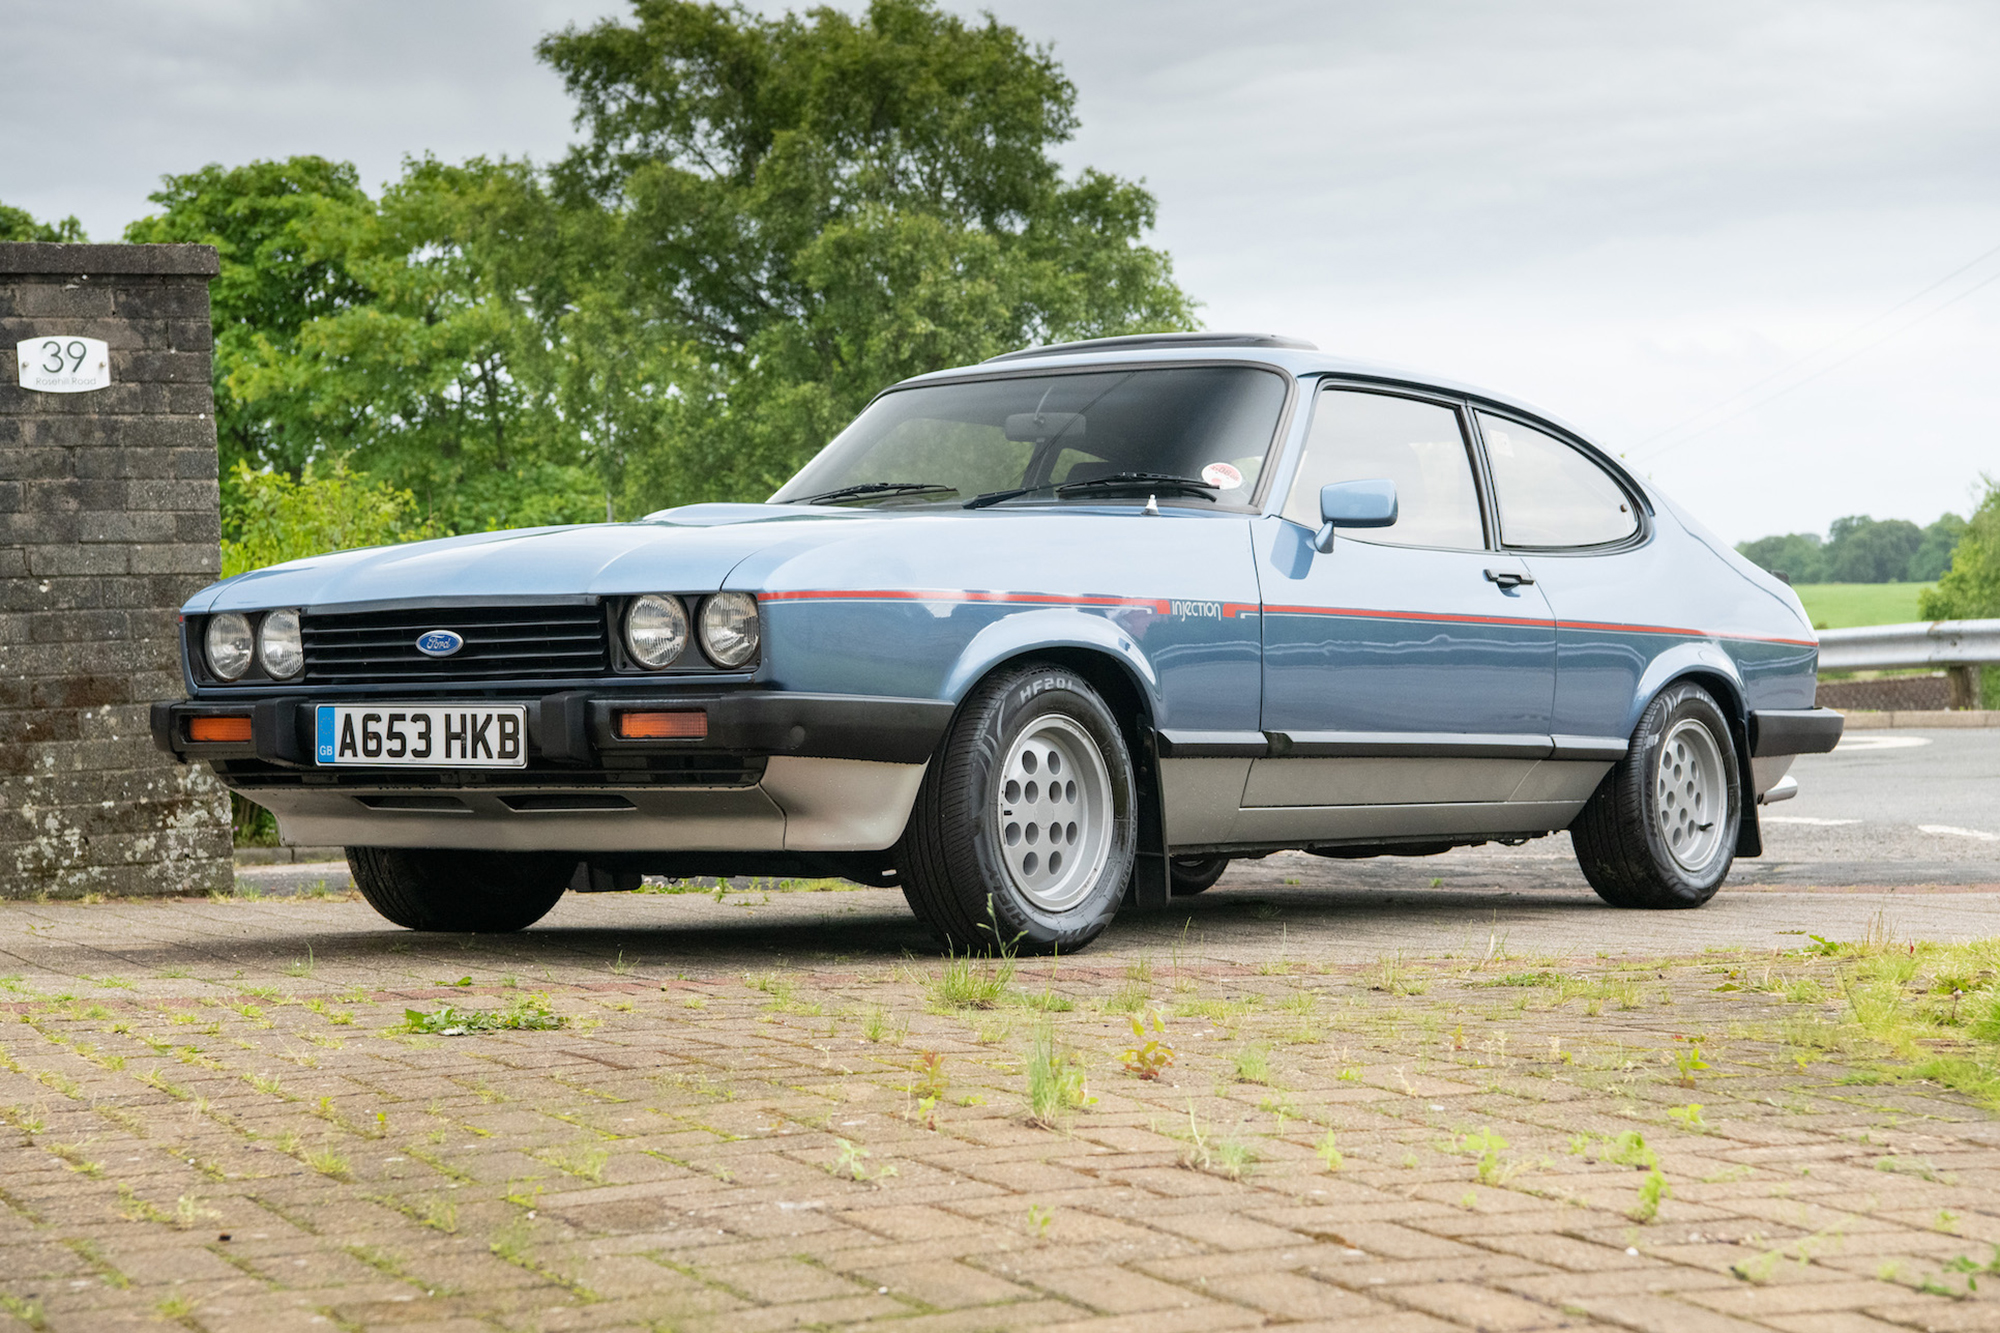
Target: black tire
(962, 875)
(1652, 837)
(1189, 875)
(486, 892)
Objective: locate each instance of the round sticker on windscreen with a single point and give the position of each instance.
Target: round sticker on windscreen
(1222, 475)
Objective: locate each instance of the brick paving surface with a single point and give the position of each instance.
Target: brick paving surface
(782, 1110)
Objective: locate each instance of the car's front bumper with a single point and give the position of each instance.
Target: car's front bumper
(774, 772)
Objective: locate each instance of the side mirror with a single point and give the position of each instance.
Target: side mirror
(1355, 504)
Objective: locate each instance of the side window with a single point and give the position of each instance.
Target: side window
(1549, 493)
(1358, 436)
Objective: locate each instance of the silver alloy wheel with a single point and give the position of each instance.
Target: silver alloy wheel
(1691, 790)
(1053, 803)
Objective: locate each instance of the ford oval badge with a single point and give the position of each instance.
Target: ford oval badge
(439, 643)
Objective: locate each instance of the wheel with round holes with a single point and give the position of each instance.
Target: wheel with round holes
(1023, 833)
(1660, 831)
(1188, 875)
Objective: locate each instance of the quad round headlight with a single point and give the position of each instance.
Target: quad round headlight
(229, 645)
(656, 630)
(280, 650)
(729, 628)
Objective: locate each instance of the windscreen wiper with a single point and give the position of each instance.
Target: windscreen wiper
(876, 488)
(1142, 481)
(1117, 481)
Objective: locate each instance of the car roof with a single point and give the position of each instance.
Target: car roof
(1294, 355)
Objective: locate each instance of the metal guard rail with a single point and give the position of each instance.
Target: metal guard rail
(1927, 643)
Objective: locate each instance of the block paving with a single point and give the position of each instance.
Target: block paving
(216, 1117)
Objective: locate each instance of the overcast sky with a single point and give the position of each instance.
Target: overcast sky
(1703, 232)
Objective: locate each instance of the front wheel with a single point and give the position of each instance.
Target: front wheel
(1660, 831)
(1024, 829)
(492, 892)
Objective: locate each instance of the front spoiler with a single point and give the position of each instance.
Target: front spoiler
(575, 726)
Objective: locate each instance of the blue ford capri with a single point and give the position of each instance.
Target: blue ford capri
(1034, 640)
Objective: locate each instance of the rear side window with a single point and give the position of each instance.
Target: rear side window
(1359, 436)
(1550, 494)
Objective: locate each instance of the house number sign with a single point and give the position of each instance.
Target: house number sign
(64, 364)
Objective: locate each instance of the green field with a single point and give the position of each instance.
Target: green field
(1845, 605)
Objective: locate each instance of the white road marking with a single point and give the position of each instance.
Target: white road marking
(1804, 819)
(1951, 832)
(1869, 741)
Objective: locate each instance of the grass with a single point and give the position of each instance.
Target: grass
(965, 984)
(1056, 1084)
(1846, 605)
(527, 1013)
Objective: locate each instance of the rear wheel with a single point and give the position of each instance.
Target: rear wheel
(1660, 831)
(1189, 875)
(428, 889)
(1023, 833)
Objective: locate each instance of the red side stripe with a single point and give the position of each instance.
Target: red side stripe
(1231, 610)
(1157, 605)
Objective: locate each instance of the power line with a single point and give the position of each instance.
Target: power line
(1826, 369)
(1823, 348)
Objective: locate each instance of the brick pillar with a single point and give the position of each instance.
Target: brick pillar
(108, 521)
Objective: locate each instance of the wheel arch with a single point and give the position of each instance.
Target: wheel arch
(1726, 687)
(1131, 690)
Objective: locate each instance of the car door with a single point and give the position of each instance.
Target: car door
(1409, 671)
(1581, 532)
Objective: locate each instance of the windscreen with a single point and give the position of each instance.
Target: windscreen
(1037, 433)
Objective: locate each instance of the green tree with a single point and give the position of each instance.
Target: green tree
(275, 518)
(803, 209)
(1797, 555)
(17, 224)
(1860, 549)
(435, 374)
(274, 280)
(1933, 555)
(1970, 589)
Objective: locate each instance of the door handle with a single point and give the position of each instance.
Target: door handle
(1508, 578)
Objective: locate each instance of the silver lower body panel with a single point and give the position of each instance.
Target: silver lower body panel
(801, 805)
(1212, 802)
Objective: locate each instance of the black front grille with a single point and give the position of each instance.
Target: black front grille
(501, 643)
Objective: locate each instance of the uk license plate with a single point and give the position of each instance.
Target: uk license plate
(422, 736)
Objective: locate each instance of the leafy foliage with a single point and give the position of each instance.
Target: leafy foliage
(275, 518)
(766, 220)
(17, 224)
(1860, 549)
(527, 1013)
(1970, 589)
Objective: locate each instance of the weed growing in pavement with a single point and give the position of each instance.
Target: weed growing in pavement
(531, 1013)
(1487, 1146)
(1222, 1157)
(1688, 1061)
(1253, 1065)
(1689, 1117)
(1652, 1190)
(303, 967)
(76, 1159)
(1392, 976)
(852, 1164)
(585, 1163)
(1056, 1082)
(1329, 1152)
(437, 1213)
(966, 984)
(1039, 1219)
(1129, 998)
(1148, 1057)
(189, 1212)
(875, 1024)
(328, 1163)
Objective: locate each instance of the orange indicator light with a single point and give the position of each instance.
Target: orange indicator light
(689, 725)
(234, 729)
